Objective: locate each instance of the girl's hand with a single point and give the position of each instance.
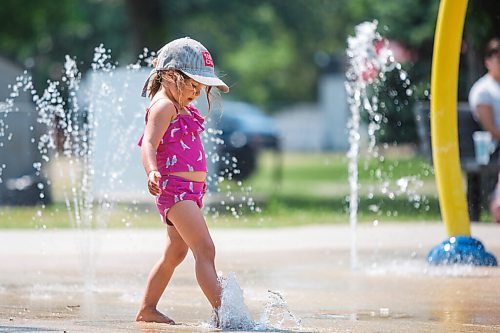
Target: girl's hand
(154, 182)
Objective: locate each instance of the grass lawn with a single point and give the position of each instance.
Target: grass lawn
(314, 188)
(308, 188)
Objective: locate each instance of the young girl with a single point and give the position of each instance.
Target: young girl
(174, 160)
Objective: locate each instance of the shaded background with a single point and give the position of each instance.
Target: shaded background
(271, 52)
(276, 55)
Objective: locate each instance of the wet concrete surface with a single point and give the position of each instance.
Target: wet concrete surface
(92, 281)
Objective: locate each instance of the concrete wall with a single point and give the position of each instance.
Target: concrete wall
(333, 105)
(301, 128)
(320, 126)
(119, 112)
(22, 182)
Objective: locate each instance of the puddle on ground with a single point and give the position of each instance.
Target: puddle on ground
(381, 313)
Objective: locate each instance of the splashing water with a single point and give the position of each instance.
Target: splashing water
(72, 109)
(233, 313)
(369, 60)
(79, 118)
(277, 313)
(225, 190)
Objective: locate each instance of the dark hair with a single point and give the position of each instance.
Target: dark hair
(492, 47)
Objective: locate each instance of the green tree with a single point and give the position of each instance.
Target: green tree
(37, 34)
(266, 48)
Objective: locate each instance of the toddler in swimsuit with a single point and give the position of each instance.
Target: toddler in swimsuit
(174, 160)
(180, 150)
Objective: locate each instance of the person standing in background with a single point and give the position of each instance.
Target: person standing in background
(484, 100)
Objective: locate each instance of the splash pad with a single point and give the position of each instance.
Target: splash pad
(91, 128)
(41, 288)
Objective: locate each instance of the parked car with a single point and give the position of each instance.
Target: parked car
(246, 130)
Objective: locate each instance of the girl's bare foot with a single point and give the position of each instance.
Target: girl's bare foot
(215, 318)
(154, 316)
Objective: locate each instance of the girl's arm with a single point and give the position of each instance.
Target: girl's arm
(159, 119)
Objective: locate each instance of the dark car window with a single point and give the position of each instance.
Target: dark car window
(229, 123)
(246, 118)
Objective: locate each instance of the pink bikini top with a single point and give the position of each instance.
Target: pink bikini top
(181, 148)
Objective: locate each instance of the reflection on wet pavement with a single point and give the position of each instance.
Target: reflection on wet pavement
(392, 291)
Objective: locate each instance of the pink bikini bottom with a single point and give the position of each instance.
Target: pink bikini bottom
(175, 189)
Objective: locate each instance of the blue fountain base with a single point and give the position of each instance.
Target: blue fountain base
(461, 250)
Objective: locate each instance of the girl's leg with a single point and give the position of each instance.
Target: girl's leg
(159, 277)
(189, 222)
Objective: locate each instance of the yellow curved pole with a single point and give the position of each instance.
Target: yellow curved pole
(444, 133)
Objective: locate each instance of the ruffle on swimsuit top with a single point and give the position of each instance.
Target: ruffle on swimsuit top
(184, 125)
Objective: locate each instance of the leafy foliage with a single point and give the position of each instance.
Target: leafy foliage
(266, 48)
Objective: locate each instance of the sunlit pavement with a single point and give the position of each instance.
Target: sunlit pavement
(92, 281)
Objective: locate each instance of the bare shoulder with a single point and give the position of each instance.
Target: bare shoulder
(162, 110)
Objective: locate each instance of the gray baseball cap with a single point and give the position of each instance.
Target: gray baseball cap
(191, 58)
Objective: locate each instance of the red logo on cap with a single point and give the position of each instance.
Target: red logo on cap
(207, 58)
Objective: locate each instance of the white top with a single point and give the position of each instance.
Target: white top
(486, 90)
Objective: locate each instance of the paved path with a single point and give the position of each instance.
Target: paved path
(76, 281)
